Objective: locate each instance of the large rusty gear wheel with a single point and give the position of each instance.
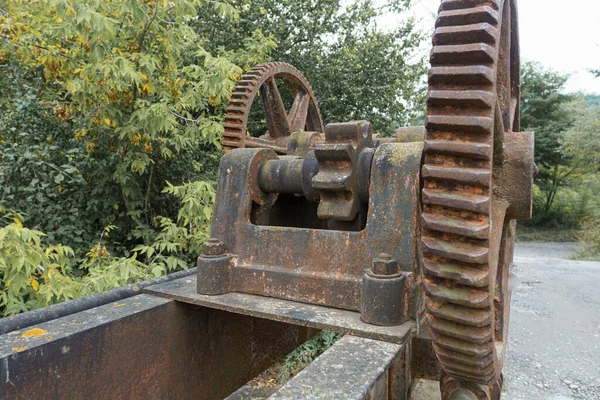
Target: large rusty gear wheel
(304, 113)
(468, 236)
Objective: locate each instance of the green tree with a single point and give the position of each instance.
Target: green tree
(102, 104)
(582, 144)
(545, 111)
(136, 97)
(357, 69)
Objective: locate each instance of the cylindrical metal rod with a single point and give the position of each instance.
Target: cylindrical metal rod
(407, 134)
(283, 175)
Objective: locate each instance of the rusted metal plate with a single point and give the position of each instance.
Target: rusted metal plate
(308, 264)
(353, 368)
(310, 315)
(143, 347)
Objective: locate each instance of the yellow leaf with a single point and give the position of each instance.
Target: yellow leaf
(35, 285)
(106, 121)
(19, 224)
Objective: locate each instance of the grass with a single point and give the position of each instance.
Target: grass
(581, 257)
(289, 366)
(306, 353)
(530, 234)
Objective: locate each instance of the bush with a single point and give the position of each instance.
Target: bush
(34, 275)
(589, 237)
(570, 207)
(307, 352)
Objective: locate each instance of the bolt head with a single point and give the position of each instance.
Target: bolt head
(213, 247)
(384, 264)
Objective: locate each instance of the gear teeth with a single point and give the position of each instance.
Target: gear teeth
(484, 377)
(459, 331)
(460, 273)
(466, 369)
(477, 151)
(476, 15)
(458, 251)
(480, 362)
(232, 126)
(241, 91)
(459, 314)
(462, 227)
(457, 200)
(469, 176)
(470, 124)
(238, 100)
(232, 118)
(461, 75)
(460, 346)
(474, 98)
(236, 109)
(476, 53)
(465, 34)
(460, 295)
(465, 4)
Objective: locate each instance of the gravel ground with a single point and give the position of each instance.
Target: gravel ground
(554, 339)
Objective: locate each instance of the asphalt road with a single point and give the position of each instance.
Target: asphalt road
(554, 337)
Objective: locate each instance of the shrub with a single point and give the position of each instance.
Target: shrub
(307, 352)
(589, 238)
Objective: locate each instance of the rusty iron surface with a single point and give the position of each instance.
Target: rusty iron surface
(365, 375)
(425, 364)
(143, 347)
(477, 178)
(310, 315)
(308, 259)
(304, 113)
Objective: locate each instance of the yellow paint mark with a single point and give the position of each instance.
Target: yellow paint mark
(35, 332)
(120, 305)
(19, 349)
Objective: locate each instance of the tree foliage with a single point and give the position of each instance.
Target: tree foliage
(545, 112)
(357, 68)
(34, 275)
(134, 81)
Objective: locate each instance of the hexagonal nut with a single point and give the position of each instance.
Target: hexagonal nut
(213, 247)
(384, 264)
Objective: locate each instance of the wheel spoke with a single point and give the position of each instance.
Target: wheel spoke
(258, 143)
(277, 121)
(299, 111)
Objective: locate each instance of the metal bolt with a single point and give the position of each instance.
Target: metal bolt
(213, 247)
(384, 264)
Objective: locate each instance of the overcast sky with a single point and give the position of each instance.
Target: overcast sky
(561, 34)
